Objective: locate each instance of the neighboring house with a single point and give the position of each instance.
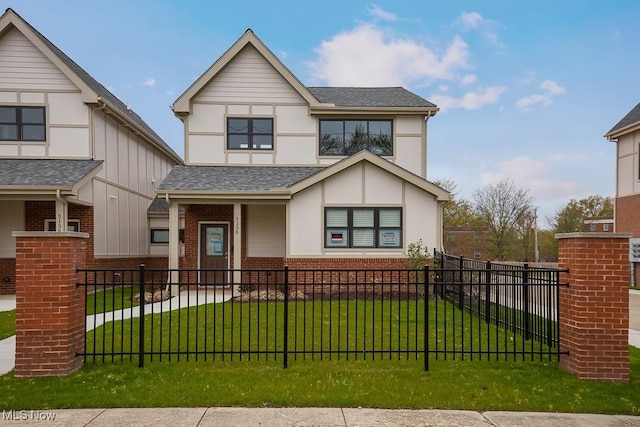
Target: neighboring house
(312, 177)
(598, 224)
(626, 134)
(468, 242)
(72, 156)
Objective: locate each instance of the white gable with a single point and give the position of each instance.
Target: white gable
(249, 78)
(23, 66)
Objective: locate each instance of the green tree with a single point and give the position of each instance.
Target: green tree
(500, 207)
(456, 212)
(570, 218)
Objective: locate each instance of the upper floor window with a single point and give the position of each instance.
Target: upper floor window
(249, 134)
(346, 137)
(22, 124)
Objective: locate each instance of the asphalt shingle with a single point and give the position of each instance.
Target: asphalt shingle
(44, 173)
(369, 97)
(632, 117)
(234, 178)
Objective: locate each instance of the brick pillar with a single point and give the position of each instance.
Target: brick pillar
(50, 308)
(594, 308)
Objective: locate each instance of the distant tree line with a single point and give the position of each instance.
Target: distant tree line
(506, 215)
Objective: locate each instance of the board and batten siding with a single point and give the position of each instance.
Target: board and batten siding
(361, 185)
(628, 152)
(124, 188)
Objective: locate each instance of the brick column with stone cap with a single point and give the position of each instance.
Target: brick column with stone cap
(594, 308)
(50, 308)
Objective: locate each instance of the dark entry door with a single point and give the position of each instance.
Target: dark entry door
(213, 253)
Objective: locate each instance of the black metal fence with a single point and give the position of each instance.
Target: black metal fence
(284, 314)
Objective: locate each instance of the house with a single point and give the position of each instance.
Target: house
(466, 241)
(312, 177)
(598, 224)
(626, 135)
(72, 155)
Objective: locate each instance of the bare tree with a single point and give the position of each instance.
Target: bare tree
(500, 207)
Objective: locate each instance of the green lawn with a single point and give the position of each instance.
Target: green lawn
(7, 323)
(112, 299)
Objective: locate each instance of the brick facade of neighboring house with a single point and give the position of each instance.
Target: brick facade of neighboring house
(599, 224)
(468, 242)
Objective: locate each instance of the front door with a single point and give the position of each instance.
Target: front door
(213, 253)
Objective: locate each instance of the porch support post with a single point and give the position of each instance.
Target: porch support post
(237, 241)
(62, 214)
(174, 246)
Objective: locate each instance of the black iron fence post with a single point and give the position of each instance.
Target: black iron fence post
(461, 283)
(487, 293)
(286, 317)
(525, 290)
(141, 322)
(426, 317)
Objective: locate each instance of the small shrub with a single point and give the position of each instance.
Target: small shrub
(417, 255)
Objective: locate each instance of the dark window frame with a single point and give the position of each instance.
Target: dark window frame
(376, 228)
(250, 134)
(20, 124)
(154, 240)
(50, 225)
(323, 150)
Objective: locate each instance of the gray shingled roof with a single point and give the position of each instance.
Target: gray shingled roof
(632, 117)
(160, 205)
(44, 173)
(98, 88)
(369, 97)
(234, 178)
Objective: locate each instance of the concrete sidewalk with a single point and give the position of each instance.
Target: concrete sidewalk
(306, 417)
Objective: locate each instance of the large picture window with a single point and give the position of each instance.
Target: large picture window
(22, 123)
(346, 137)
(249, 134)
(363, 227)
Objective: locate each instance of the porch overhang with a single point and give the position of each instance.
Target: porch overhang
(224, 197)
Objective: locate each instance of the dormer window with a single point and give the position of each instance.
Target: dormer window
(22, 123)
(347, 137)
(249, 134)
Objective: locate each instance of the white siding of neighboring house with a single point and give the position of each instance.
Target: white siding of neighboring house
(628, 180)
(266, 231)
(361, 185)
(124, 188)
(29, 78)
(11, 219)
(250, 87)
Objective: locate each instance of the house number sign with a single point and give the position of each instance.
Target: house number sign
(634, 249)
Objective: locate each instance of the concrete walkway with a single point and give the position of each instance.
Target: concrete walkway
(266, 417)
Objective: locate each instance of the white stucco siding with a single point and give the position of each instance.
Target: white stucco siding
(249, 78)
(205, 149)
(69, 142)
(11, 219)
(305, 222)
(25, 67)
(628, 170)
(296, 150)
(361, 185)
(266, 231)
(206, 118)
(409, 154)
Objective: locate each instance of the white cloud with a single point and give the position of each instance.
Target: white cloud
(549, 90)
(381, 14)
(469, 20)
(443, 88)
(151, 82)
(283, 54)
(470, 100)
(468, 79)
(347, 59)
(563, 157)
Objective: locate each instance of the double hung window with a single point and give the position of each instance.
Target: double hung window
(249, 134)
(363, 227)
(22, 123)
(346, 137)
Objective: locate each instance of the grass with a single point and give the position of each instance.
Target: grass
(112, 299)
(518, 386)
(7, 324)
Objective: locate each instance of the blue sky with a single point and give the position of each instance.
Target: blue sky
(526, 90)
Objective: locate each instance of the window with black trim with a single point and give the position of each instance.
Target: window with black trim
(161, 235)
(72, 225)
(347, 137)
(249, 134)
(363, 227)
(22, 123)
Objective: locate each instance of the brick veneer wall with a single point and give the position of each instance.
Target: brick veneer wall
(50, 308)
(594, 308)
(193, 214)
(627, 220)
(7, 276)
